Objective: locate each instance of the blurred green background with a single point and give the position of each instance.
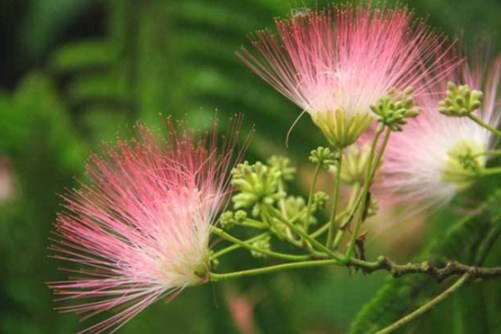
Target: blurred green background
(75, 73)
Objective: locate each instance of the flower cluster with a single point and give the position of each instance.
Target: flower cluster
(319, 60)
(336, 63)
(140, 229)
(406, 119)
(438, 155)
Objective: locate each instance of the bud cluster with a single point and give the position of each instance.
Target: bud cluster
(230, 219)
(262, 243)
(257, 184)
(260, 183)
(394, 109)
(294, 205)
(283, 166)
(261, 187)
(320, 200)
(460, 100)
(323, 156)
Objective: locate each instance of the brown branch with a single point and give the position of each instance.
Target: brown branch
(439, 273)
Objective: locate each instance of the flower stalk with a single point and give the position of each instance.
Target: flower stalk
(483, 124)
(310, 196)
(335, 196)
(365, 190)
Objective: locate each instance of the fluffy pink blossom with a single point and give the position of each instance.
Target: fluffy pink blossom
(422, 163)
(140, 229)
(335, 63)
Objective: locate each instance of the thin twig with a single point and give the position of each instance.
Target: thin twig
(426, 307)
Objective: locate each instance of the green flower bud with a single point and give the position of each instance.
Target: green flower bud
(323, 156)
(263, 243)
(256, 184)
(226, 220)
(320, 200)
(229, 219)
(294, 205)
(282, 165)
(240, 216)
(460, 100)
(395, 109)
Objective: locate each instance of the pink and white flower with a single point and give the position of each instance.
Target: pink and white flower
(425, 162)
(335, 63)
(140, 229)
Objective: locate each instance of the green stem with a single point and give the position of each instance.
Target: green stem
(492, 152)
(272, 227)
(365, 191)
(252, 272)
(236, 246)
(306, 236)
(253, 224)
(335, 199)
(490, 171)
(281, 202)
(283, 256)
(484, 125)
(426, 307)
(379, 156)
(326, 226)
(352, 206)
(310, 198)
(354, 193)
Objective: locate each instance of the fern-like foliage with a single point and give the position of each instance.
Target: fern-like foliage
(176, 58)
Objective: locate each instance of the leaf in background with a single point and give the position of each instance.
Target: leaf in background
(83, 56)
(467, 241)
(13, 129)
(44, 160)
(45, 22)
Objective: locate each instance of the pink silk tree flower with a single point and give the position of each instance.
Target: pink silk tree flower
(335, 64)
(140, 229)
(436, 156)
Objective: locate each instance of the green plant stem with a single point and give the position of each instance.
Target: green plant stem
(492, 152)
(236, 246)
(229, 237)
(352, 206)
(325, 227)
(253, 272)
(396, 270)
(426, 307)
(379, 156)
(335, 200)
(490, 171)
(480, 173)
(484, 125)
(281, 202)
(310, 198)
(253, 224)
(365, 191)
(306, 236)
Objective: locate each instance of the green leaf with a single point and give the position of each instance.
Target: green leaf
(83, 55)
(468, 240)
